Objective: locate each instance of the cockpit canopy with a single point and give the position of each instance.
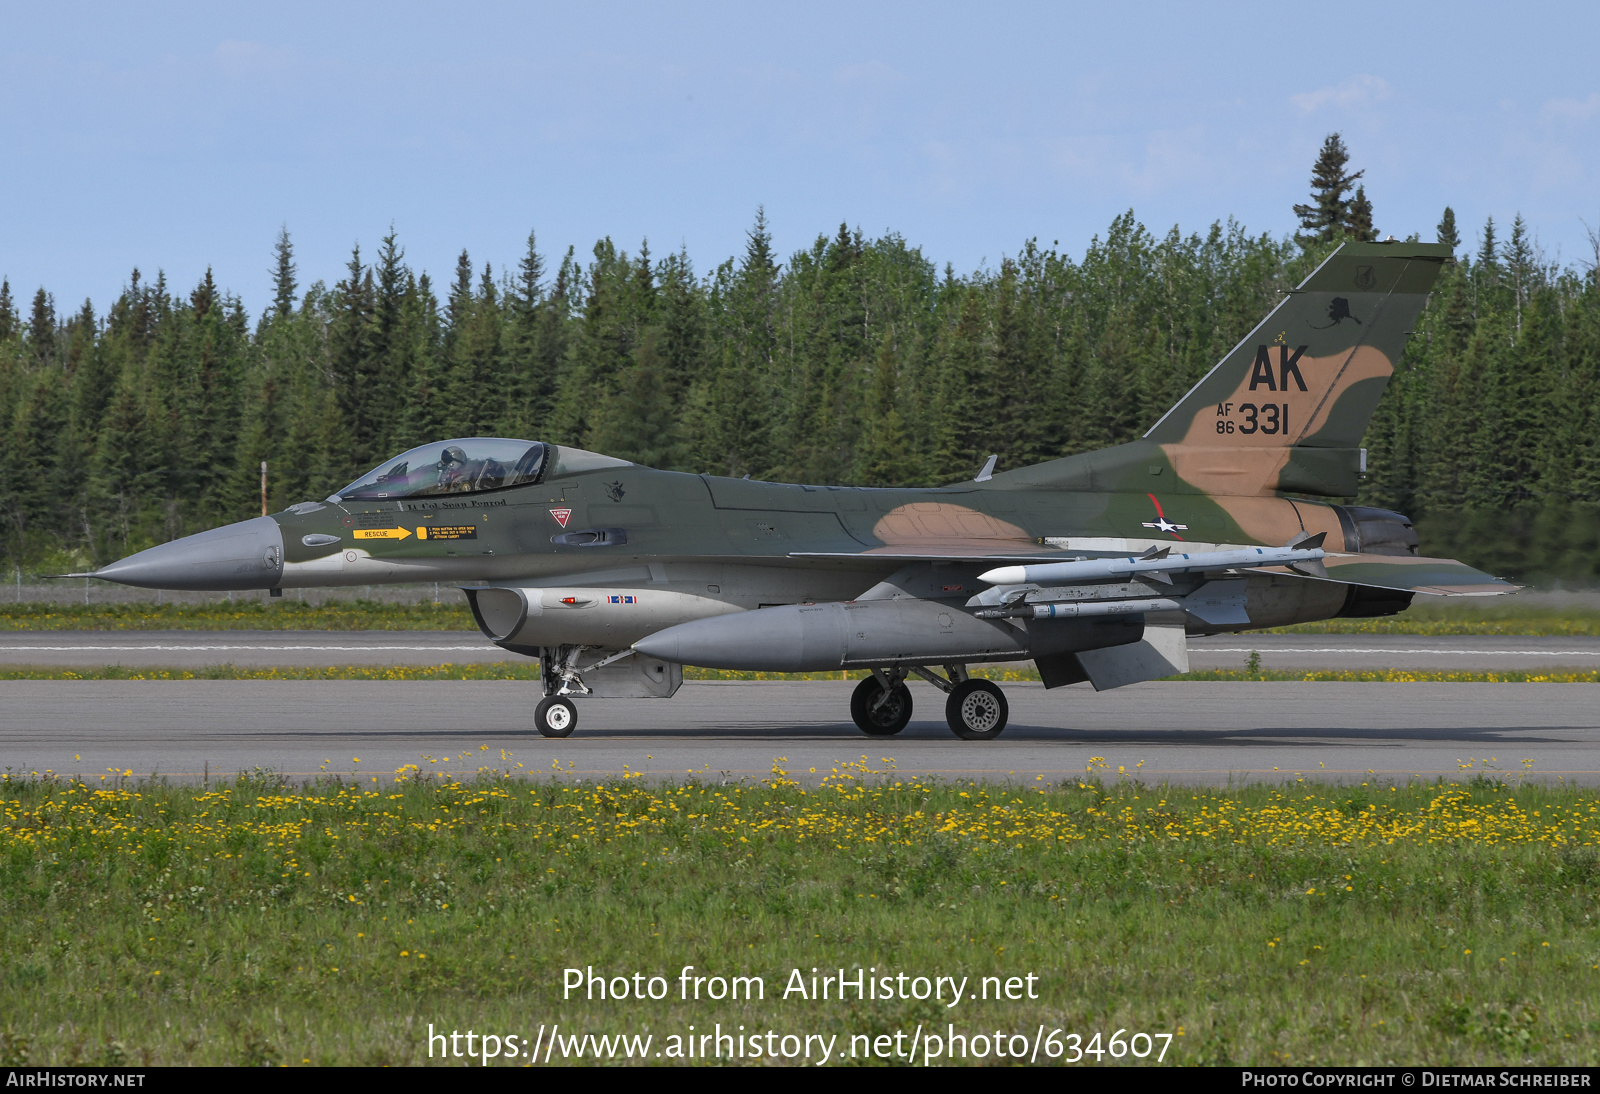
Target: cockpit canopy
(467, 465)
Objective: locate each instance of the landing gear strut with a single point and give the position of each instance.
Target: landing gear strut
(881, 704)
(561, 676)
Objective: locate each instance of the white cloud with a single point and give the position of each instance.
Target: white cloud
(1573, 110)
(1360, 90)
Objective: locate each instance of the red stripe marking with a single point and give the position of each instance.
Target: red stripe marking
(1162, 516)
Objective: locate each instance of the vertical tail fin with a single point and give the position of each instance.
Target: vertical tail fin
(1286, 408)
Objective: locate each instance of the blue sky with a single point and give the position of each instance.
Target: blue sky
(178, 136)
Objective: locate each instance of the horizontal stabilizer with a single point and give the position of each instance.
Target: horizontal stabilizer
(1440, 576)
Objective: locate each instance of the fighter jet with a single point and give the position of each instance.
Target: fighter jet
(1096, 567)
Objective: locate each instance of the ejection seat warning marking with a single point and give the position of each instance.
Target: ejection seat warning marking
(562, 516)
(441, 531)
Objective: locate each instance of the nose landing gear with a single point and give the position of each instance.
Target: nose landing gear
(555, 716)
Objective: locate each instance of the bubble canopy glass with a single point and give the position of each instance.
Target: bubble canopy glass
(467, 465)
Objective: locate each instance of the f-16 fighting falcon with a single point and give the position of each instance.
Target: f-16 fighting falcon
(1096, 566)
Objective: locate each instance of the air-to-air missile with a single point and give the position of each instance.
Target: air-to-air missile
(1229, 514)
(1159, 563)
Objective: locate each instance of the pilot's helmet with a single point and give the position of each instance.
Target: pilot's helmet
(453, 457)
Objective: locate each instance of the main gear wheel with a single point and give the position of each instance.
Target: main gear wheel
(880, 712)
(976, 710)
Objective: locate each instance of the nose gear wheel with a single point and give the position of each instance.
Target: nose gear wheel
(555, 716)
(976, 710)
(879, 712)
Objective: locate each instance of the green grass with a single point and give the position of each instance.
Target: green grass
(1504, 616)
(284, 614)
(259, 923)
(452, 615)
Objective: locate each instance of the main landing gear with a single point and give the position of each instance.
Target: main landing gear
(881, 704)
(976, 709)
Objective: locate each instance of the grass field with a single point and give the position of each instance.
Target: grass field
(452, 615)
(285, 614)
(256, 922)
(1500, 616)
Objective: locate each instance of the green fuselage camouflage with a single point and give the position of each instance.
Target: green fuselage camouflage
(615, 575)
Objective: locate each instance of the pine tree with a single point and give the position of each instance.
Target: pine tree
(524, 389)
(1329, 211)
(644, 426)
(8, 311)
(1359, 221)
(474, 399)
(391, 354)
(886, 453)
(283, 274)
(42, 327)
(1520, 264)
(422, 413)
(1447, 234)
(1488, 248)
(350, 362)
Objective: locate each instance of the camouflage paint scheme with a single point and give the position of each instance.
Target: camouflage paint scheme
(600, 553)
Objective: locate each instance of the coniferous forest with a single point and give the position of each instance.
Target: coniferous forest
(855, 360)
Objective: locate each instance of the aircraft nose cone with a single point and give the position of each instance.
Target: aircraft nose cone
(247, 555)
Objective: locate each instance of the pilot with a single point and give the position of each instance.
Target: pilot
(455, 471)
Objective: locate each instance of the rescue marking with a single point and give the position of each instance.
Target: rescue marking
(562, 516)
(381, 533)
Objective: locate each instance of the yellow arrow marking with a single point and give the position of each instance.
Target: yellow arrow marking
(382, 533)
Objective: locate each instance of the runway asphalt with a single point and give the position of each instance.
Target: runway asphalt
(1184, 732)
(264, 649)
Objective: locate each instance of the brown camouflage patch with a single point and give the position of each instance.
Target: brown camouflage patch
(930, 523)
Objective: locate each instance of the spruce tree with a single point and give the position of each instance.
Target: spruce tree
(42, 327)
(1329, 211)
(1447, 233)
(1488, 247)
(283, 282)
(8, 311)
(390, 355)
(350, 367)
(1520, 264)
(520, 386)
(1359, 222)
